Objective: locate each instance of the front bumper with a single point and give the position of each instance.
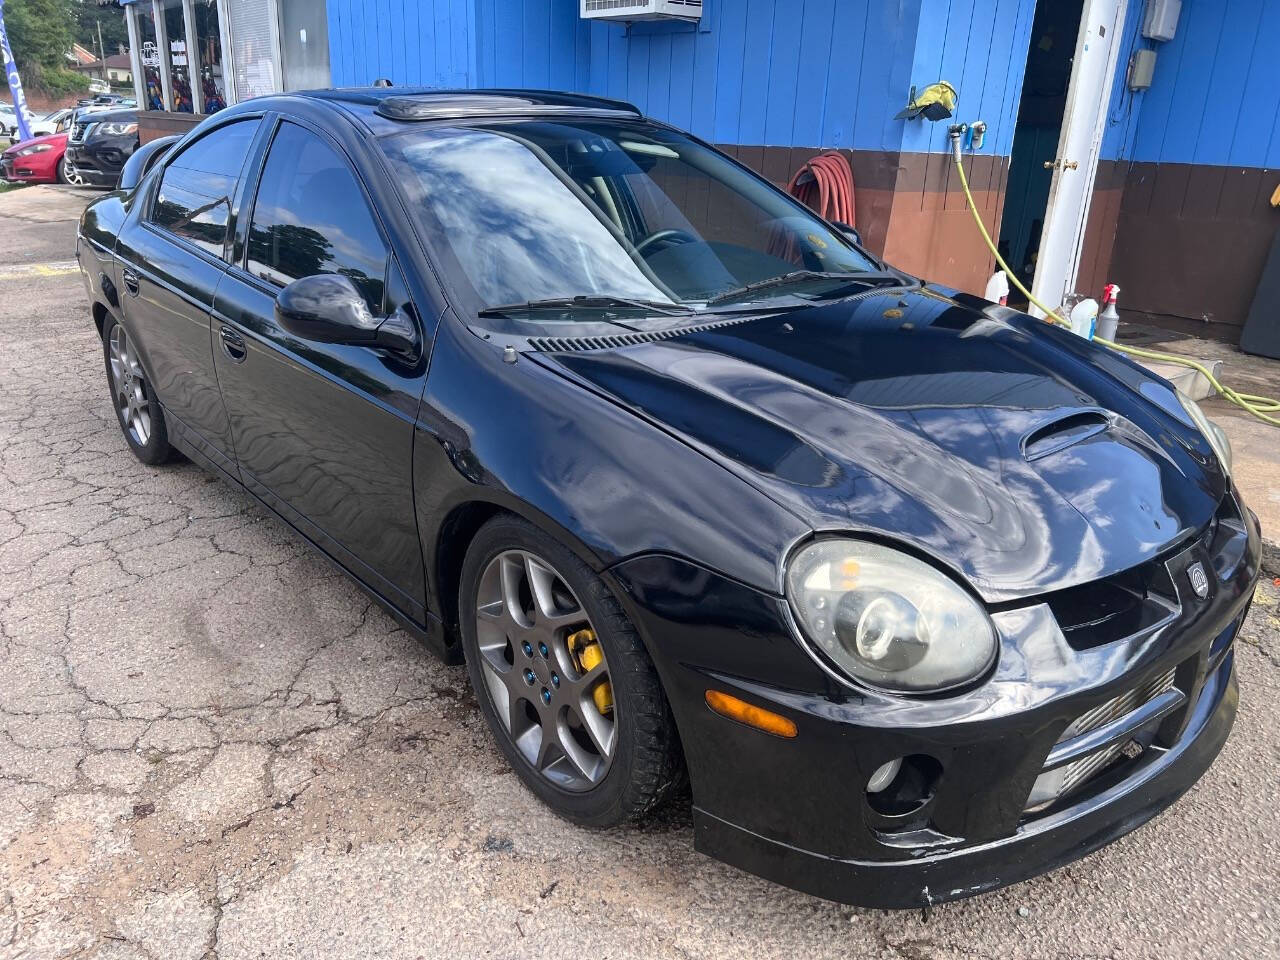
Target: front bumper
(1036, 847)
(32, 169)
(797, 811)
(99, 163)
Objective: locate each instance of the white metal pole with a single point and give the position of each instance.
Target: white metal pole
(228, 70)
(162, 42)
(135, 56)
(193, 56)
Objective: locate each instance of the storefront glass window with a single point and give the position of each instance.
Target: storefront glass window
(179, 62)
(150, 56)
(253, 60)
(213, 80)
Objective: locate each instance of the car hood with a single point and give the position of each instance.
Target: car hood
(1017, 454)
(53, 139)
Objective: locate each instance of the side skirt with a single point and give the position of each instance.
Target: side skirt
(432, 633)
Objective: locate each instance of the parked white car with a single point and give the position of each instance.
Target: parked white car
(9, 118)
(55, 121)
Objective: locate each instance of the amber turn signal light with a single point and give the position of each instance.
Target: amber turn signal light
(752, 716)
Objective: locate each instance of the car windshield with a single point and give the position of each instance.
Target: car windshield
(552, 215)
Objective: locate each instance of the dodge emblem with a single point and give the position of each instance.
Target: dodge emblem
(1199, 582)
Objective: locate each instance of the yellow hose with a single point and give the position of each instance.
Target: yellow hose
(1260, 407)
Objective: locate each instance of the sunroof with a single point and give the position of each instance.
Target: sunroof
(432, 107)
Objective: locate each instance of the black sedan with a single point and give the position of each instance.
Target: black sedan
(923, 596)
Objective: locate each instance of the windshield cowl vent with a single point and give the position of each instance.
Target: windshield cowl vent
(613, 341)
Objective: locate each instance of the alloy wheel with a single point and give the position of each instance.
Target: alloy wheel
(128, 387)
(545, 670)
(70, 174)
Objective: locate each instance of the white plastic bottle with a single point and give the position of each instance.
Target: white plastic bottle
(1083, 317)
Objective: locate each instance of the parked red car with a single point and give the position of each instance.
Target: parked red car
(39, 160)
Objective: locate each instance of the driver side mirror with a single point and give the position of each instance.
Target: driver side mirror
(328, 308)
(849, 232)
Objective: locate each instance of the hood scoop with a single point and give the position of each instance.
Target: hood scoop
(1064, 432)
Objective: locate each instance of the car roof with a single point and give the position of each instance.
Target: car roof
(384, 109)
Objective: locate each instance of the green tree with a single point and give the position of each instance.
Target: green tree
(92, 16)
(40, 33)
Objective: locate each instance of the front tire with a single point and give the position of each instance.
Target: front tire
(137, 410)
(563, 679)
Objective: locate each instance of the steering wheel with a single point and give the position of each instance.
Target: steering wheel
(671, 236)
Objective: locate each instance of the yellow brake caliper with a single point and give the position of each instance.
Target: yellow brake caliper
(586, 653)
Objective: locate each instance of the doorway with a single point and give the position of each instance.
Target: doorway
(1071, 60)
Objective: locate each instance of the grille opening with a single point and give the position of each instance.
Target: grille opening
(1120, 606)
(1052, 786)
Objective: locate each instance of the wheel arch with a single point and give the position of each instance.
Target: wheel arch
(100, 312)
(453, 537)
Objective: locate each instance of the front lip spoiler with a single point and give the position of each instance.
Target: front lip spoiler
(1038, 846)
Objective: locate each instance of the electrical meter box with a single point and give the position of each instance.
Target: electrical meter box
(641, 9)
(1161, 20)
(1141, 69)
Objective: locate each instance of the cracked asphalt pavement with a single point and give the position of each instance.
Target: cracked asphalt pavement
(212, 745)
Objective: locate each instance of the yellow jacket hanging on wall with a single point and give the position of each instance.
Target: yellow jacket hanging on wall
(935, 102)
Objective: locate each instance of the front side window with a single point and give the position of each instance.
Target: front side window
(311, 217)
(194, 198)
(549, 209)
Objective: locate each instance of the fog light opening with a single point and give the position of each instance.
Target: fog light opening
(902, 787)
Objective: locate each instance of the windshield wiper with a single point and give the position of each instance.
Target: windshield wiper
(873, 278)
(589, 302)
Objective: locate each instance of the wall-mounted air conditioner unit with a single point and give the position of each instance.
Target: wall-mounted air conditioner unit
(641, 9)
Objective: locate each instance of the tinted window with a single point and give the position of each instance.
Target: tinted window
(194, 200)
(311, 217)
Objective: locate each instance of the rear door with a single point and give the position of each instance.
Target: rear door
(323, 432)
(172, 258)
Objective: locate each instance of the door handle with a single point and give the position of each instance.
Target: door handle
(130, 280)
(232, 344)
(1062, 164)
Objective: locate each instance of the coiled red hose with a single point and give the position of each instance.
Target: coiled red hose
(825, 186)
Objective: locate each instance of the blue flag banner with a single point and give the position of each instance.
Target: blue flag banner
(15, 82)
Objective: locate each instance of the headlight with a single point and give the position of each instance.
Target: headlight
(1212, 432)
(888, 619)
(117, 129)
(38, 148)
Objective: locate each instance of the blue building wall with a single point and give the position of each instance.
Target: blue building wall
(428, 42)
(808, 73)
(1212, 100)
(980, 46)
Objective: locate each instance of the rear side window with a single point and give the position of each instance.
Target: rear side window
(311, 217)
(194, 200)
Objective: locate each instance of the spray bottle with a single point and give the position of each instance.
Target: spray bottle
(1108, 319)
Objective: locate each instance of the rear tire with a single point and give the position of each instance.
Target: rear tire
(554, 744)
(138, 412)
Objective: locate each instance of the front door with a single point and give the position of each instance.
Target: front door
(1076, 163)
(323, 432)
